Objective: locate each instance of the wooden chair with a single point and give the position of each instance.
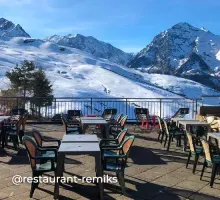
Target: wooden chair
(211, 160)
(34, 154)
(196, 151)
(116, 120)
(117, 162)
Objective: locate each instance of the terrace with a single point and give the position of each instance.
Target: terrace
(152, 172)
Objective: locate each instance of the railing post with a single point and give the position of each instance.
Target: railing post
(193, 112)
(126, 108)
(91, 107)
(17, 102)
(160, 107)
(196, 106)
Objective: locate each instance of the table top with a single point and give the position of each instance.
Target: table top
(4, 117)
(214, 134)
(182, 119)
(80, 138)
(79, 147)
(193, 123)
(93, 120)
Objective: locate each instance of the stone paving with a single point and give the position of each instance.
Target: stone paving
(152, 173)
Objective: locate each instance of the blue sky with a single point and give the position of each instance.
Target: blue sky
(126, 24)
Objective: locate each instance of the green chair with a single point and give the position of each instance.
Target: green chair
(117, 162)
(35, 156)
(170, 133)
(195, 151)
(115, 129)
(70, 128)
(211, 160)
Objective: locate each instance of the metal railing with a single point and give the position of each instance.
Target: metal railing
(163, 107)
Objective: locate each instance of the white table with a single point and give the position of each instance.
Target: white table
(79, 138)
(177, 119)
(86, 121)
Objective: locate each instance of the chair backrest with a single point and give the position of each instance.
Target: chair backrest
(31, 148)
(109, 114)
(119, 116)
(181, 113)
(191, 141)
(126, 146)
(123, 120)
(74, 113)
(206, 148)
(63, 118)
(121, 135)
(19, 124)
(141, 114)
(214, 142)
(38, 137)
(166, 130)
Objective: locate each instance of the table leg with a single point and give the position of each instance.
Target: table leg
(107, 131)
(99, 173)
(84, 127)
(58, 174)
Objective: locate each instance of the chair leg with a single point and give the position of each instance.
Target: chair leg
(195, 163)
(203, 169)
(121, 180)
(214, 169)
(170, 138)
(187, 163)
(161, 141)
(165, 141)
(158, 139)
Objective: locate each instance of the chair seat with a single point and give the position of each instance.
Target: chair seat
(216, 159)
(72, 129)
(45, 167)
(50, 154)
(113, 167)
(177, 133)
(198, 150)
(110, 153)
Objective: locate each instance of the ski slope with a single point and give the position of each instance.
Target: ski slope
(74, 73)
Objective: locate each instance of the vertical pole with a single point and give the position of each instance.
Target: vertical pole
(17, 102)
(160, 107)
(91, 107)
(196, 106)
(126, 108)
(193, 111)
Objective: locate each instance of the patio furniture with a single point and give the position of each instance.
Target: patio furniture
(117, 162)
(2, 128)
(211, 160)
(109, 114)
(70, 128)
(14, 132)
(195, 151)
(34, 156)
(215, 136)
(205, 111)
(114, 142)
(78, 148)
(79, 138)
(116, 128)
(74, 115)
(188, 124)
(40, 139)
(161, 129)
(88, 121)
(181, 113)
(142, 117)
(170, 134)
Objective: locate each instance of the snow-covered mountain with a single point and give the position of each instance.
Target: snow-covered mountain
(92, 45)
(183, 51)
(75, 73)
(9, 29)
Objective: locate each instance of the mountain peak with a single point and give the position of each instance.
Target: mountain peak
(184, 26)
(9, 29)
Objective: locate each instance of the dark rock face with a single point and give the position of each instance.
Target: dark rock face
(184, 51)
